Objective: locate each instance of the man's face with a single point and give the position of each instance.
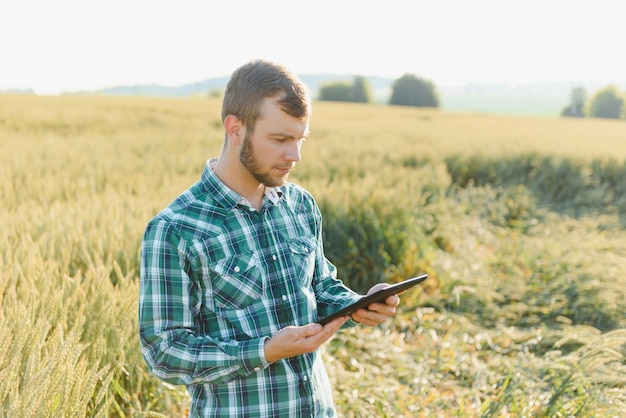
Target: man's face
(273, 149)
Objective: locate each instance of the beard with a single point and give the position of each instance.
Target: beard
(248, 160)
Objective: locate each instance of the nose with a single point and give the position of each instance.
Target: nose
(293, 151)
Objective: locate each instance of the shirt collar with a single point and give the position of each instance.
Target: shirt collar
(228, 197)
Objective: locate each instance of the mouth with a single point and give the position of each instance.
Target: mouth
(283, 170)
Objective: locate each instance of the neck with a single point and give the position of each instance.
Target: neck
(238, 179)
(253, 196)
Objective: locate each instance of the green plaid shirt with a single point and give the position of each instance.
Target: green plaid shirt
(218, 278)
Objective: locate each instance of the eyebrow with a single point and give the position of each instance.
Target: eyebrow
(289, 136)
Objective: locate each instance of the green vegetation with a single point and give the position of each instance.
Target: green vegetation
(607, 103)
(359, 91)
(410, 90)
(576, 108)
(520, 222)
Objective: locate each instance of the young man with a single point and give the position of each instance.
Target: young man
(233, 273)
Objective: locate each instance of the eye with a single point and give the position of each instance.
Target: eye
(279, 139)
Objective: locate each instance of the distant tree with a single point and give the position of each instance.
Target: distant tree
(576, 108)
(361, 90)
(344, 91)
(410, 90)
(606, 103)
(339, 91)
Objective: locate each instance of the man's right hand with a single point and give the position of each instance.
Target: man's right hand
(293, 341)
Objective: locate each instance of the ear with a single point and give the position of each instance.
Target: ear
(234, 129)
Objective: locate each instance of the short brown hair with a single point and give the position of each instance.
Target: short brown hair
(258, 80)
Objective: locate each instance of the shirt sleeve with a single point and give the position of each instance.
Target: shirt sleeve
(331, 293)
(167, 303)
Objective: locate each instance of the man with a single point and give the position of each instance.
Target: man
(233, 274)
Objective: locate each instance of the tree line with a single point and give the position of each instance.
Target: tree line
(607, 102)
(410, 90)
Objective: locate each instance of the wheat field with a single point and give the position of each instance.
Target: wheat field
(520, 222)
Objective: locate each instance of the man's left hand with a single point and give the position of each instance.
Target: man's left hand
(377, 313)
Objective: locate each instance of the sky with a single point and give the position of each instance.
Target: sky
(56, 46)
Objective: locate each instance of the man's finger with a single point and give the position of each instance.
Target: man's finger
(336, 323)
(311, 329)
(392, 300)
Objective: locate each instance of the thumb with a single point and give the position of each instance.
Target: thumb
(312, 329)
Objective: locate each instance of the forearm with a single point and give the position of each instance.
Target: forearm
(179, 357)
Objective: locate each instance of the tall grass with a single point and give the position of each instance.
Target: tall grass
(519, 221)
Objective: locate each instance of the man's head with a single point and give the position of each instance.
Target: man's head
(257, 80)
(266, 111)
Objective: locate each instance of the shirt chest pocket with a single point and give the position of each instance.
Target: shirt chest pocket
(236, 281)
(302, 251)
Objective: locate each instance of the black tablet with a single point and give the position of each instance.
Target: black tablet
(379, 296)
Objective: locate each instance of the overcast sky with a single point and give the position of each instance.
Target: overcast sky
(53, 46)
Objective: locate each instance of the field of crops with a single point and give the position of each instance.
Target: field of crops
(520, 222)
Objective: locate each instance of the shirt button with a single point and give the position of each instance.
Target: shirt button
(237, 269)
(305, 378)
(274, 257)
(284, 297)
(256, 369)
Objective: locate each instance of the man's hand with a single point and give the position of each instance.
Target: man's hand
(377, 313)
(293, 341)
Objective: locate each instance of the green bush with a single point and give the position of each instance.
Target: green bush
(606, 103)
(368, 240)
(359, 91)
(565, 185)
(410, 90)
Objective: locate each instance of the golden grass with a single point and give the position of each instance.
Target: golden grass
(435, 134)
(522, 315)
